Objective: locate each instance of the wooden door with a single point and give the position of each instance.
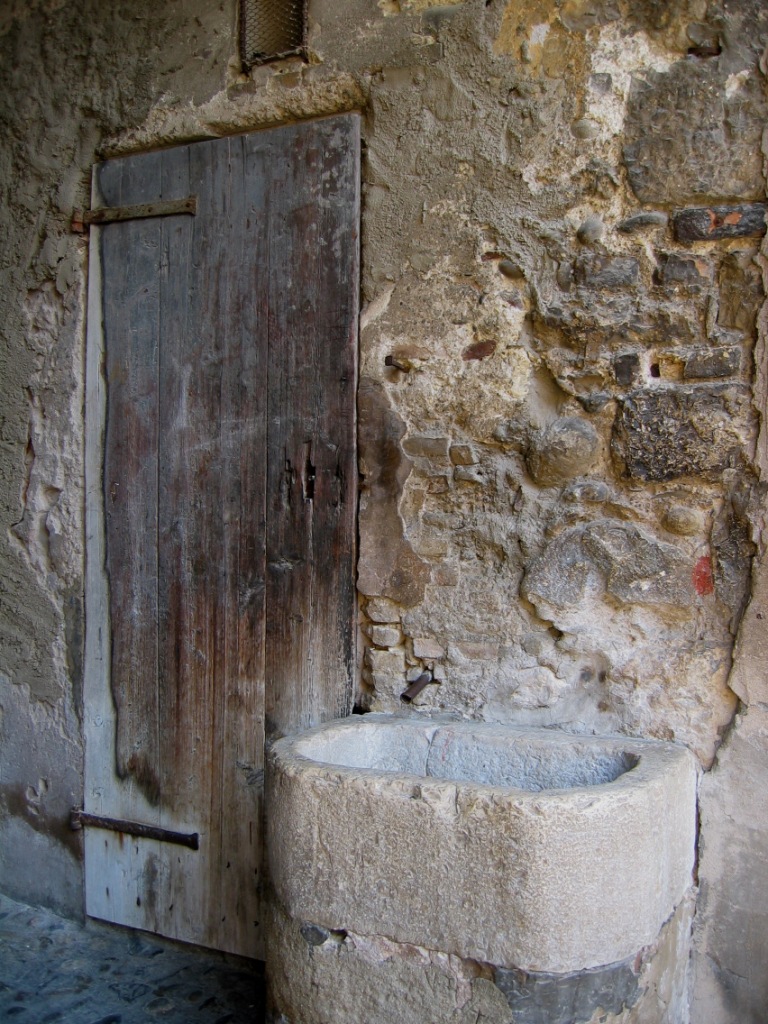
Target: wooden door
(221, 495)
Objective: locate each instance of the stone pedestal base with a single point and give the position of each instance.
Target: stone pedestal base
(318, 976)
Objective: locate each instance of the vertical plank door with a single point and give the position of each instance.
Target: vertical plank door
(221, 497)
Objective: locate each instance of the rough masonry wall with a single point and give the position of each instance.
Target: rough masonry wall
(569, 398)
(560, 494)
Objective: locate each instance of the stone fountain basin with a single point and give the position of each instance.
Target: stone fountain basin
(528, 848)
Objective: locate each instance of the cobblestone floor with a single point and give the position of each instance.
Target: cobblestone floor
(55, 970)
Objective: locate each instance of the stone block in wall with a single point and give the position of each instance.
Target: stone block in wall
(683, 272)
(470, 475)
(479, 350)
(710, 223)
(612, 557)
(626, 367)
(597, 271)
(381, 609)
(666, 433)
(426, 447)
(731, 926)
(385, 636)
(445, 576)
(462, 455)
(387, 674)
(567, 448)
(386, 663)
(732, 551)
(741, 292)
(689, 135)
(652, 219)
(712, 362)
(427, 649)
(477, 650)
(684, 521)
(588, 492)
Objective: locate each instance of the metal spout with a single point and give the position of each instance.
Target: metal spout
(416, 687)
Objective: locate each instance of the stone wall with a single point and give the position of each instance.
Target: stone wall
(570, 348)
(559, 429)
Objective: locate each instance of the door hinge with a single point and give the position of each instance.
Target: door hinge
(80, 819)
(82, 220)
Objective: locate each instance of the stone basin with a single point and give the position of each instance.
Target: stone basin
(520, 847)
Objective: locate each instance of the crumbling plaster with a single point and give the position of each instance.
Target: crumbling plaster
(560, 463)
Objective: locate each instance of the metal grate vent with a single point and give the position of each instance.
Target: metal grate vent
(270, 29)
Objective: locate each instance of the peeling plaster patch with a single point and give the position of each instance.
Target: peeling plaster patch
(736, 82)
(36, 529)
(530, 176)
(376, 307)
(51, 495)
(621, 57)
(521, 29)
(241, 109)
(44, 533)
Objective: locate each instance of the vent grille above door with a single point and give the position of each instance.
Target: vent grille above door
(271, 29)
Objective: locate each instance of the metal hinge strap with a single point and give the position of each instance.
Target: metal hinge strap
(109, 214)
(79, 819)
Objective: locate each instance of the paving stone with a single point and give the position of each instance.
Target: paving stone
(56, 970)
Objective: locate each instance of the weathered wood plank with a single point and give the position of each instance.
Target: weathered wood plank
(178, 888)
(335, 551)
(131, 318)
(243, 430)
(313, 278)
(122, 741)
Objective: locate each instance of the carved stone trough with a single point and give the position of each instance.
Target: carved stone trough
(524, 848)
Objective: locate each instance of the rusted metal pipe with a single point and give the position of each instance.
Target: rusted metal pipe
(416, 687)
